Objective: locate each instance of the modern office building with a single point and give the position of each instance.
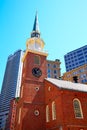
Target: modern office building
(53, 69)
(76, 58)
(11, 84)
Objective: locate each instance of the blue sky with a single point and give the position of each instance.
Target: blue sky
(63, 26)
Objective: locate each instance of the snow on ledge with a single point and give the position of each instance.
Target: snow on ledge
(68, 85)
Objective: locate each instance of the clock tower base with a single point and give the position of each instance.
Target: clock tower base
(31, 113)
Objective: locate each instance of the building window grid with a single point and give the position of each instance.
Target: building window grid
(83, 76)
(84, 81)
(76, 54)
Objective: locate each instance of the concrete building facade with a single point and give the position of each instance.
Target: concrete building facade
(53, 69)
(80, 73)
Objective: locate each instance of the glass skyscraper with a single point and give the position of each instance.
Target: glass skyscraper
(11, 84)
(76, 58)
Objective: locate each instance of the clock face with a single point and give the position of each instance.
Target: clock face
(36, 72)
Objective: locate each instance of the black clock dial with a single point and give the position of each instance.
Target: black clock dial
(36, 72)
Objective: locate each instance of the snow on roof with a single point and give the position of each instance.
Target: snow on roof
(68, 85)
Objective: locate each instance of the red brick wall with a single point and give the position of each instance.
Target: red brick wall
(29, 65)
(32, 121)
(64, 108)
(53, 95)
(32, 98)
(33, 92)
(68, 111)
(10, 123)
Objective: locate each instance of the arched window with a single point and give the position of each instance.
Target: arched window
(77, 108)
(47, 114)
(53, 111)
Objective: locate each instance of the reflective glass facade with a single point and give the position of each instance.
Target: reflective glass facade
(76, 58)
(11, 84)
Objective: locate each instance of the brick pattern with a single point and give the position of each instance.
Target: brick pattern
(32, 101)
(64, 108)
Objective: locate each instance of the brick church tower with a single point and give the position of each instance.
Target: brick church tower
(31, 106)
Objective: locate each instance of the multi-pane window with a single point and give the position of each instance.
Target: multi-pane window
(47, 114)
(77, 108)
(37, 60)
(53, 111)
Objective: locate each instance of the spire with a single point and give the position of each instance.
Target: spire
(36, 24)
(35, 31)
